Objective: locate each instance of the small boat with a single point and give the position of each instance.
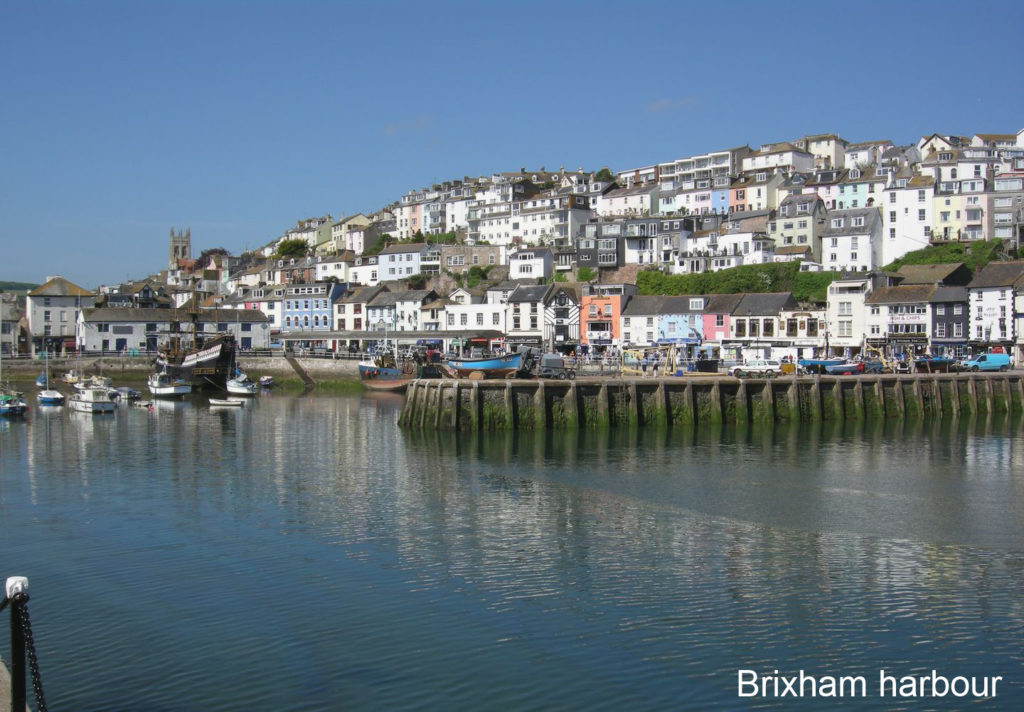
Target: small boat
(92, 400)
(125, 394)
(163, 385)
(72, 376)
(227, 402)
(383, 373)
(266, 381)
(818, 365)
(932, 364)
(845, 368)
(49, 396)
(502, 366)
(240, 385)
(43, 381)
(12, 404)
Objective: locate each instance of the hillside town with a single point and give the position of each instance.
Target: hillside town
(554, 259)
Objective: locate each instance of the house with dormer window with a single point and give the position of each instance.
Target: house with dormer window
(531, 263)
(53, 309)
(799, 223)
(562, 318)
(310, 306)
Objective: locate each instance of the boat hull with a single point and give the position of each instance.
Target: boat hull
(383, 378)
(94, 400)
(208, 367)
(491, 367)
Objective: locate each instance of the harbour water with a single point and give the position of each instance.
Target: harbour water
(304, 553)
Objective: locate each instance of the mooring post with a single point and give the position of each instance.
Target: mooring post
(16, 594)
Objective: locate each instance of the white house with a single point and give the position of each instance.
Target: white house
(851, 241)
(531, 263)
(992, 296)
(907, 211)
(364, 271)
(53, 310)
(845, 332)
(119, 329)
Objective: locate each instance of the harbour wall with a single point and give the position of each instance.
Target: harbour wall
(464, 405)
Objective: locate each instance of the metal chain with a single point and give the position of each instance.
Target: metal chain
(33, 662)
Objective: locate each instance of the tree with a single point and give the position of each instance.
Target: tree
(586, 274)
(416, 281)
(604, 175)
(293, 247)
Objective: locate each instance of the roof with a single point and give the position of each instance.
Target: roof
(927, 274)
(999, 274)
(767, 304)
(903, 294)
(362, 295)
(60, 287)
(642, 305)
(793, 250)
(722, 303)
(403, 248)
(529, 293)
(949, 294)
(115, 314)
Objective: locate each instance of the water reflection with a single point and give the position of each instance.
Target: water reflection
(618, 569)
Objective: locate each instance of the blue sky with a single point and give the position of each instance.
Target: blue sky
(121, 120)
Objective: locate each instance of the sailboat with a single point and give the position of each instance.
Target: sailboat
(201, 363)
(48, 395)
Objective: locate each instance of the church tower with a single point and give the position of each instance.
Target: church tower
(180, 248)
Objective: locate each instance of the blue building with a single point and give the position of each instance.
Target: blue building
(308, 307)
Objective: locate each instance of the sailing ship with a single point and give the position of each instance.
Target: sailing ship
(203, 363)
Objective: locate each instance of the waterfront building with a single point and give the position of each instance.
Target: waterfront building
(524, 317)
(898, 318)
(846, 330)
(53, 310)
(754, 329)
(636, 200)
(601, 307)
(950, 324)
(639, 320)
(350, 309)
(562, 318)
(397, 311)
(310, 306)
(804, 332)
(470, 313)
(124, 330)
(717, 326)
(993, 298)
(11, 335)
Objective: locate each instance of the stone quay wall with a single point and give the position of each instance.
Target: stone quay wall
(465, 405)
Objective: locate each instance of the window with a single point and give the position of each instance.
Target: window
(607, 309)
(741, 328)
(958, 309)
(46, 316)
(845, 308)
(463, 319)
(845, 329)
(495, 319)
(940, 309)
(858, 221)
(920, 215)
(958, 330)
(837, 222)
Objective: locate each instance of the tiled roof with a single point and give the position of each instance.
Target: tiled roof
(60, 287)
(999, 274)
(927, 274)
(764, 304)
(909, 294)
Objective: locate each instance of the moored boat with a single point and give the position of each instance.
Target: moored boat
(93, 382)
(163, 385)
(818, 365)
(845, 368)
(383, 373)
(240, 385)
(12, 404)
(227, 402)
(92, 400)
(266, 381)
(208, 365)
(50, 396)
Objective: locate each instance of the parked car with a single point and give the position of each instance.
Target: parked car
(758, 367)
(987, 362)
(555, 366)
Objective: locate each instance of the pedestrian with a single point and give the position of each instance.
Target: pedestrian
(643, 365)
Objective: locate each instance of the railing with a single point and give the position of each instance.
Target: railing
(22, 644)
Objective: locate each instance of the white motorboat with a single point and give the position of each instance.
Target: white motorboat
(93, 382)
(50, 396)
(163, 385)
(92, 400)
(240, 385)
